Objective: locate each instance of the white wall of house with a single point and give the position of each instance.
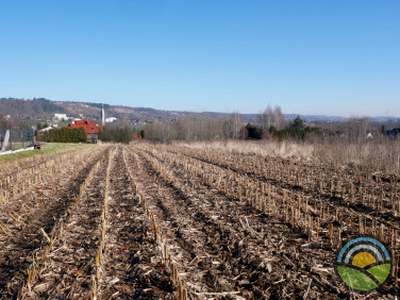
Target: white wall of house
(60, 117)
(111, 119)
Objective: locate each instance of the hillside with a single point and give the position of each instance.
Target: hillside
(29, 109)
(41, 110)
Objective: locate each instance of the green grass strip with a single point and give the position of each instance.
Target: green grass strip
(49, 148)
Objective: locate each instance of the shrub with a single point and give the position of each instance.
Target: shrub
(63, 135)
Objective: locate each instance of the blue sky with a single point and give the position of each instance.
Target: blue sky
(309, 57)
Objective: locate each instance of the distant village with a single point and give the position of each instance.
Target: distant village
(92, 129)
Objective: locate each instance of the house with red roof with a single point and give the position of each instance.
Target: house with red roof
(92, 130)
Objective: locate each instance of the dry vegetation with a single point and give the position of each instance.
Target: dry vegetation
(197, 221)
(379, 155)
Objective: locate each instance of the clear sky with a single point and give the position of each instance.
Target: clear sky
(310, 57)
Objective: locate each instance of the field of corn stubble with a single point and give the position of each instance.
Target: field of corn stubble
(171, 222)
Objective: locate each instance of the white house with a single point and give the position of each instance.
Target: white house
(111, 119)
(49, 127)
(60, 117)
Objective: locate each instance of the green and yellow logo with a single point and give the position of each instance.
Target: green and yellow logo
(364, 264)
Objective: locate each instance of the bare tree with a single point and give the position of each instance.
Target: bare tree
(278, 118)
(235, 122)
(3, 122)
(358, 129)
(272, 117)
(266, 118)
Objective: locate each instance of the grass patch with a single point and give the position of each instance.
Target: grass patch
(49, 148)
(52, 147)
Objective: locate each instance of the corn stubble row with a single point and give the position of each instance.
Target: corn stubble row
(334, 190)
(296, 193)
(319, 219)
(371, 189)
(42, 257)
(96, 278)
(37, 281)
(12, 169)
(168, 259)
(19, 205)
(44, 173)
(15, 184)
(98, 269)
(174, 178)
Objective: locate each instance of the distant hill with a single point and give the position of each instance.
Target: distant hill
(29, 109)
(41, 110)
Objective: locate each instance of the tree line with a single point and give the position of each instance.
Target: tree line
(119, 134)
(271, 124)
